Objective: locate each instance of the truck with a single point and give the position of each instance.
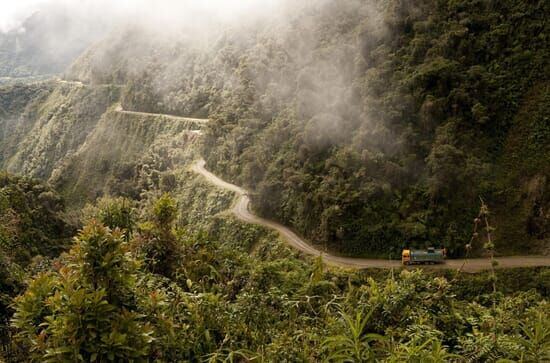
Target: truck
(430, 255)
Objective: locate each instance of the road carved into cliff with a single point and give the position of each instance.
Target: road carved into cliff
(119, 109)
(242, 211)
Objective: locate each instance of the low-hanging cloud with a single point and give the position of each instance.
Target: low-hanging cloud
(159, 15)
(46, 36)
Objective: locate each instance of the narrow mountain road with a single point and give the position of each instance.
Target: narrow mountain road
(81, 84)
(171, 117)
(72, 83)
(137, 113)
(119, 108)
(241, 209)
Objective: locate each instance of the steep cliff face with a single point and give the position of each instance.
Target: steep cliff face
(76, 137)
(126, 154)
(18, 105)
(51, 129)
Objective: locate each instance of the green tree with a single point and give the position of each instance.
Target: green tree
(113, 213)
(156, 241)
(86, 311)
(165, 211)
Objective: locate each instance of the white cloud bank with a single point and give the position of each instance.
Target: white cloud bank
(157, 13)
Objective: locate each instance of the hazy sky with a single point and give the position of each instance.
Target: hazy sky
(13, 12)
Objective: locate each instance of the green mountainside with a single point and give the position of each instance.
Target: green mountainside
(367, 127)
(388, 134)
(73, 136)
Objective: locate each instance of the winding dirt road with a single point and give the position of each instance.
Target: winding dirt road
(241, 209)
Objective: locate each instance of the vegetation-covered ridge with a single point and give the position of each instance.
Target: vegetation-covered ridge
(144, 289)
(366, 126)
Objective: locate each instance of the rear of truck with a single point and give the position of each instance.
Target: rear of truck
(428, 256)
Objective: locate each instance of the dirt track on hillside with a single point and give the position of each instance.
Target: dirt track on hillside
(171, 117)
(241, 209)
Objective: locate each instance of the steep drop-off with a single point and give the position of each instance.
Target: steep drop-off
(76, 137)
(126, 154)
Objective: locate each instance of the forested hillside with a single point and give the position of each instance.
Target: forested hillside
(32, 224)
(73, 136)
(391, 125)
(367, 126)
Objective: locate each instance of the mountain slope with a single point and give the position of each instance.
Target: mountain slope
(367, 127)
(388, 136)
(76, 137)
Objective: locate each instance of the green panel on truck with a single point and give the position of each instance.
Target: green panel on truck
(430, 255)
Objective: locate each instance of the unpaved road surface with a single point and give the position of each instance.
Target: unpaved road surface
(171, 117)
(72, 83)
(82, 84)
(241, 209)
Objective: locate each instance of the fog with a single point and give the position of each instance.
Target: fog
(317, 76)
(46, 36)
(160, 14)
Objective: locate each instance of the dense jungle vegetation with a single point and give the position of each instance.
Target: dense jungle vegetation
(392, 128)
(367, 126)
(33, 228)
(147, 289)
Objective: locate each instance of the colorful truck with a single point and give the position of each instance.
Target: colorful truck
(428, 256)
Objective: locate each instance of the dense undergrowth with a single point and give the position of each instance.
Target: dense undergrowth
(33, 228)
(148, 281)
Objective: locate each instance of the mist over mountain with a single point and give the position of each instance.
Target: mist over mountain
(247, 179)
(356, 122)
(45, 36)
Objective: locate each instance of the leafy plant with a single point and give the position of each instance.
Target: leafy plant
(356, 345)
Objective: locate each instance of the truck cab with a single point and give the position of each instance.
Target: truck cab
(406, 257)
